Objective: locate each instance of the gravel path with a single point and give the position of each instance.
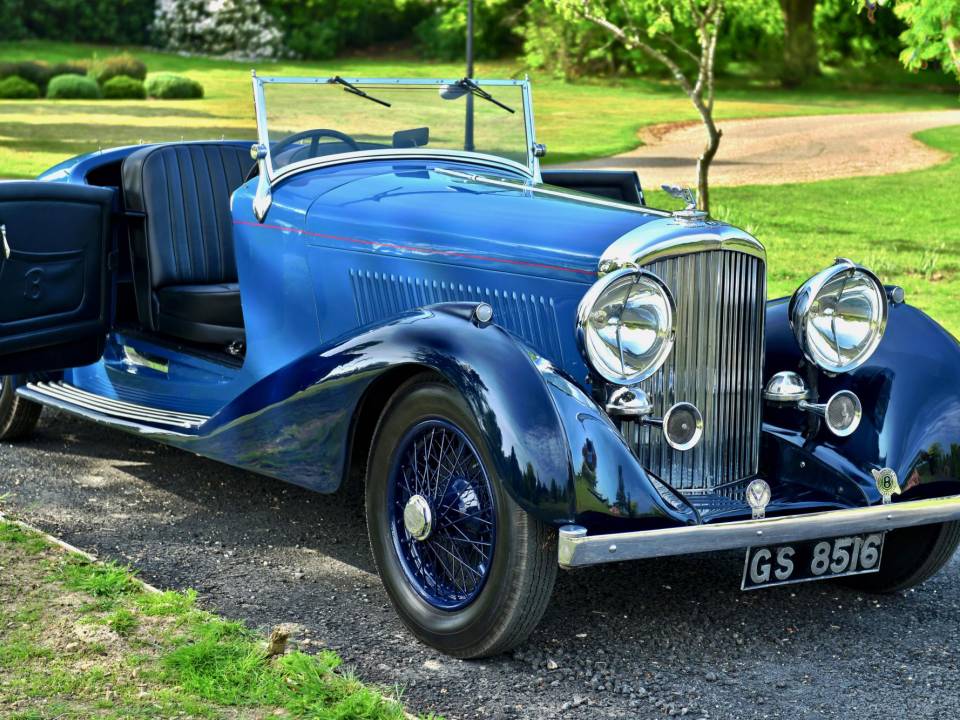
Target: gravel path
(641, 640)
(786, 150)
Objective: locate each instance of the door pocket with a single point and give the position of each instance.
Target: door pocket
(35, 286)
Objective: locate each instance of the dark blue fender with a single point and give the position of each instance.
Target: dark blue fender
(910, 390)
(297, 423)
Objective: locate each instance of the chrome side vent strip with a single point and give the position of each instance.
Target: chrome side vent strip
(716, 364)
(120, 409)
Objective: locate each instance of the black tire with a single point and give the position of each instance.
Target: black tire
(522, 570)
(910, 556)
(18, 416)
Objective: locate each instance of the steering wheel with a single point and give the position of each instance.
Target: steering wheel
(314, 136)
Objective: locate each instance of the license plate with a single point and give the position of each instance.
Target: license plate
(812, 560)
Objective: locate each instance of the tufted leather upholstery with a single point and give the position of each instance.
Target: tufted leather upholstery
(185, 272)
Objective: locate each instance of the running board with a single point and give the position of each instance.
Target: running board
(71, 399)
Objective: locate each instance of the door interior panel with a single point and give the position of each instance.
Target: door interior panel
(54, 290)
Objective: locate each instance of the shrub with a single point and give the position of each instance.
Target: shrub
(167, 86)
(122, 87)
(71, 67)
(73, 87)
(36, 72)
(232, 28)
(111, 67)
(16, 88)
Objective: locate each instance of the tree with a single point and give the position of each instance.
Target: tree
(933, 33)
(800, 61)
(663, 32)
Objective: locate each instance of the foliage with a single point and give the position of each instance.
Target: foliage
(36, 72)
(15, 87)
(932, 34)
(321, 29)
(70, 67)
(122, 87)
(73, 87)
(846, 36)
(442, 34)
(111, 67)
(227, 28)
(167, 86)
(123, 22)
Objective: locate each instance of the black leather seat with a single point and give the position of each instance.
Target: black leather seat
(185, 273)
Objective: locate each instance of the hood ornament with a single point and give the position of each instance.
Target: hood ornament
(689, 215)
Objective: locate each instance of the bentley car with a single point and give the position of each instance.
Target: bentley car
(524, 368)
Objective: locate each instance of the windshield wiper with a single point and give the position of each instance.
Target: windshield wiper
(351, 88)
(468, 84)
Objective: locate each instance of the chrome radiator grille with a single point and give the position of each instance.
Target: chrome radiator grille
(715, 364)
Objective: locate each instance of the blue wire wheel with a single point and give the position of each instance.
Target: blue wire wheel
(442, 515)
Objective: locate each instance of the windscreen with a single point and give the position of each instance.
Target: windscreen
(311, 119)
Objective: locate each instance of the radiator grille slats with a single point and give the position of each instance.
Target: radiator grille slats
(715, 364)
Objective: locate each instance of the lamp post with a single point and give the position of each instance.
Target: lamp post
(468, 128)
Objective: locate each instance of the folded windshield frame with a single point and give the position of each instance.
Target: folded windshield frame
(529, 168)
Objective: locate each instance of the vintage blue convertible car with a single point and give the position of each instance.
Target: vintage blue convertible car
(527, 368)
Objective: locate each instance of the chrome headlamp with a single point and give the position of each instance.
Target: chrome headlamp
(839, 316)
(626, 326)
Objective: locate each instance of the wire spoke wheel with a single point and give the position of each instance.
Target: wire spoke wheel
(442, 514)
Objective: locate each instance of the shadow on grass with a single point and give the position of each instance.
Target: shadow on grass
(106, 108)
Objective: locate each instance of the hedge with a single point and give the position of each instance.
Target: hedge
(73, 87)
(118, 65)
(16, 88)
(108, 22)
(122, 87)
(167, 86)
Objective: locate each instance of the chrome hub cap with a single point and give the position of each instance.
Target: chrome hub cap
(417, 518)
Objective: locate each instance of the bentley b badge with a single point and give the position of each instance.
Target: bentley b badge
(887, 483)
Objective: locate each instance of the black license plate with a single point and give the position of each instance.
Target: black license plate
(812, 560)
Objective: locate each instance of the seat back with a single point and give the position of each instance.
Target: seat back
(186, 236)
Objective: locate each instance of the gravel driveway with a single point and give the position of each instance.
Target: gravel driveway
(786, 150)
(642, 640)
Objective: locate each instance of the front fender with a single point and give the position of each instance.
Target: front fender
(295, 424)
(910, 390)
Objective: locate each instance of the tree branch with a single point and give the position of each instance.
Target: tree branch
(632, 41)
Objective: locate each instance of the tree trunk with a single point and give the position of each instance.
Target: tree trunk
(954, 46)
(703, 163)
(800, 61)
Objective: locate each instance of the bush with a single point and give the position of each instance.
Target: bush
(167, 86)
(117, 66)
(229, 28)
(122, 87)
(36, 72)
(109, 22)
(73, 87)
(16, 88)
(71, 67)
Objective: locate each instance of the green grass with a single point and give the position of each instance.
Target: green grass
(901, 226)
(81, 639)
(586, 119)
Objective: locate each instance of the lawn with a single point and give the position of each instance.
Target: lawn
(81, 639)
(588, 119)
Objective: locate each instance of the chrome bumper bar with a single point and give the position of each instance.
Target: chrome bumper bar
(577, 549)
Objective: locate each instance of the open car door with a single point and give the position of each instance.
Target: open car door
(54, 291)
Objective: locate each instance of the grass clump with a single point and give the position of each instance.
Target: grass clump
(27, 542)
(101, 580)
(73, 87)
(123, 622)
(16, 88)
(167, 603)
(122, 87)
(167, 86)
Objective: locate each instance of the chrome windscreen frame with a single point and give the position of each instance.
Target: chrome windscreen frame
(270, 175)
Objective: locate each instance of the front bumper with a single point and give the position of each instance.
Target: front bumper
(577, 549)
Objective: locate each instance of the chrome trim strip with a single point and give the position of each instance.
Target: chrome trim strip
(71, 398)
(577, 550)
(553, 192)
(634, 248)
